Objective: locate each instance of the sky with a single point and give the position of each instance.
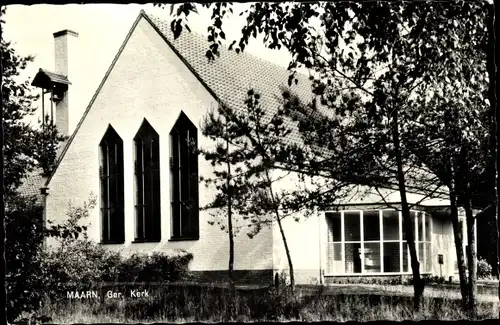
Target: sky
(102, 29)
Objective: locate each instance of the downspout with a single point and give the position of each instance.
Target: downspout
(44, 191)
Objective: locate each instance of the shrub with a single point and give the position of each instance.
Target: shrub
(76, 266)
(25, 234)
(157, 267)
(379, 280)
(484, 269)
(83, 265)
(23, 241)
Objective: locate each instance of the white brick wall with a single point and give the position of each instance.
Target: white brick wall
(443, 243)
(149, 81)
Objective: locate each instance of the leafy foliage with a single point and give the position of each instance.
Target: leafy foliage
(258, 145)
(46, 144)
(74, 264)
(24, 251)
(408, 81)
(82, 265)
(484, 269)
(254, 141)
(23, 240)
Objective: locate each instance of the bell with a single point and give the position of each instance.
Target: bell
(56, 97)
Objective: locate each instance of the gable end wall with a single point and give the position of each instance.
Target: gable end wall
(148, 81)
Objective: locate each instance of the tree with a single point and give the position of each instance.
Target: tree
(255, 143)
(458, 126)
(25, 233)
(17, 104)
(230, 186)
(383, 51)
(25, 146)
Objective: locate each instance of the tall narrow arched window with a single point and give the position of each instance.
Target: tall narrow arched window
(111, 177)
(147, 181)
(184, 179)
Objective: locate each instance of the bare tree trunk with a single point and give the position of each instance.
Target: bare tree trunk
(230, 223)
(288, 256)
(418, 284)
(471, 257)
(458, 240)
(282, 232)
(492, 74)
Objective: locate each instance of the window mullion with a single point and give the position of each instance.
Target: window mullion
(416, 236)
(108, 198)
(179, 182)
(362, 234)
(401, 256)
(342, 241)
(188, 181)
(424, 245)
(143, 194)
(380, 218)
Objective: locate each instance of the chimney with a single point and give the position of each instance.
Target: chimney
(67, 63)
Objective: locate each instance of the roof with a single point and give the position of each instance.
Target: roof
(32, 184)
(227, 78)
(47, 79)
(231, 75)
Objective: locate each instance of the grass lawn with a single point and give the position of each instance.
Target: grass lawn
(431, 291)
(188, 303)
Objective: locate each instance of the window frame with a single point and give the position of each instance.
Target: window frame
(113, 235)
(184, 171)
(147, 180)
(381, 241)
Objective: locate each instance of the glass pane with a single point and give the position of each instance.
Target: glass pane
(104, 192)
(333, 226)
(352, 226)
(184, 149)
(412, 223)
(112, 159)
(420, 223)
(421, 259)
(391, 225)
(406, 258)
(391, 257)
(353, 258)
(462, 230)
(155, 152)
(185, 220)
(176, 220)
(428, 230)
(372, 257)
(146, 154)
(113, 197)
(334, 259)
(428, 258)
(105, 221)
(371, 225)
(174, 150)
(139, 222)
(184, 183)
